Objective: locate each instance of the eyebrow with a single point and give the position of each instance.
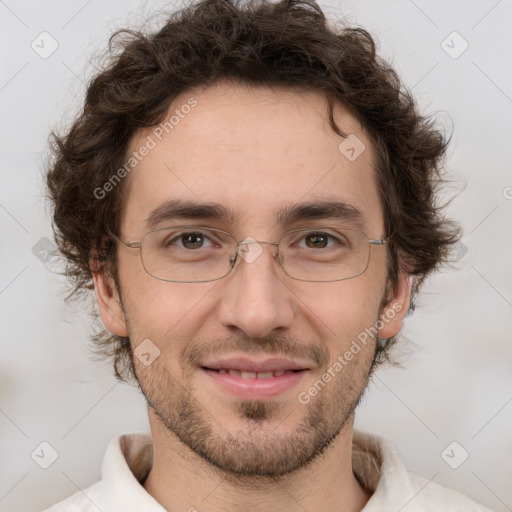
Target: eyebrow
(177, 209)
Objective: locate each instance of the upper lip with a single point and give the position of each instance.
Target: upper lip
(249, 365)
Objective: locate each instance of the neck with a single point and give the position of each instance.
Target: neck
(181, 480)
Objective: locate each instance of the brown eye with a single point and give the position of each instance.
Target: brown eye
(317, 240)
(323, 240)
(192, 240)
(187, 240)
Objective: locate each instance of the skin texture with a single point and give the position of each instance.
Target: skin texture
(212, 450)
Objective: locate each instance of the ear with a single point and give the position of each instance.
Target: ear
(397, 306)
(109, 303)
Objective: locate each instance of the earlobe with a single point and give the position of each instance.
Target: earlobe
(394, 312)
(109, 303)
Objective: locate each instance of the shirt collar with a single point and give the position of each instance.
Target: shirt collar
(380, 468)
(376, 463)
(126, 463)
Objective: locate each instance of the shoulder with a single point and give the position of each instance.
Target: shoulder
(434, 496)
(380, 467)
(127, 460)
(88, 499)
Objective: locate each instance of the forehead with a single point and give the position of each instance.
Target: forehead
(254, 150)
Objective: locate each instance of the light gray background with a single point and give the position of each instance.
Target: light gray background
(456, 385)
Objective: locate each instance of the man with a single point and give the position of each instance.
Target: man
(252, 196)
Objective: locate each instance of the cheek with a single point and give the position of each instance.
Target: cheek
(161, 310)
(342, 311)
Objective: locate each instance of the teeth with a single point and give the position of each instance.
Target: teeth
(253, 375)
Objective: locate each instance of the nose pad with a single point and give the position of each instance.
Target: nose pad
(233, 259)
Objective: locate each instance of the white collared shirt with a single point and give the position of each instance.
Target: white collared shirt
(375, 461)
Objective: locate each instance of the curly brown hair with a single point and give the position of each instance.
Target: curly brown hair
(289, 44)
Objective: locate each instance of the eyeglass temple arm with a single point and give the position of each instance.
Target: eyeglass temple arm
(132, 245)
(381, 241)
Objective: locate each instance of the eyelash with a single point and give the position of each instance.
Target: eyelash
(180, 236)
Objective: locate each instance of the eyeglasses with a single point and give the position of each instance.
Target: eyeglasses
(192, 254)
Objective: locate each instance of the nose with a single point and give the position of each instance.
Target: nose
(255, 296)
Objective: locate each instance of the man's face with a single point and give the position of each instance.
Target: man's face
(253, 151)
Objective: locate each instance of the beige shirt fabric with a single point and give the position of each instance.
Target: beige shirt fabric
(376, 463)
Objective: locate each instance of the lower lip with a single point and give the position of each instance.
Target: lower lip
(256, 388)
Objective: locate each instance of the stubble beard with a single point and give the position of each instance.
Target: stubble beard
(261, 450)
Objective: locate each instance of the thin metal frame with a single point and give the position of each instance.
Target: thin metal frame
(234, 260)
